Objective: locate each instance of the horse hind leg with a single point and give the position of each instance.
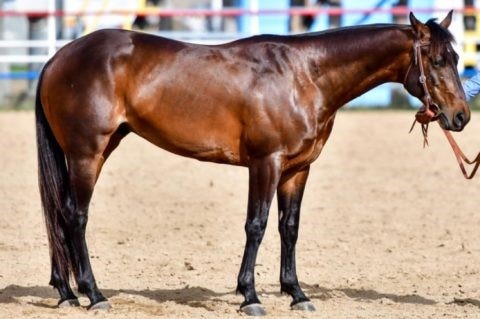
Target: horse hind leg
(82, 176)
(83, 173)
(59, 279)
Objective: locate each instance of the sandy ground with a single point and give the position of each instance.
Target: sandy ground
(388, 230)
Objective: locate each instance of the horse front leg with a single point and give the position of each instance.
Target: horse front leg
(289, 196)
(264, 175)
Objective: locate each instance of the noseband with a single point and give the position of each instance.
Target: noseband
(430, 112)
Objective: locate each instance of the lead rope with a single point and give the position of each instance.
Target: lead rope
(461, 158)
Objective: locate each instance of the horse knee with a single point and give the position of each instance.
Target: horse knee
(255, 229)
(288, 231)
(289, 283)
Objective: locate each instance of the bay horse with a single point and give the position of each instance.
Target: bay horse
(267, 103)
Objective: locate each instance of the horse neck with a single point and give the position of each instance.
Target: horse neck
(356, 60)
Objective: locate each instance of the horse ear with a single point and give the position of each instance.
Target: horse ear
(421, 30)
(448, 19)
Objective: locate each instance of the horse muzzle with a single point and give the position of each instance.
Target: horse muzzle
(433, 113)
(456, 123)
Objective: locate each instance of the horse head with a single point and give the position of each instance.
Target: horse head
(433, 77)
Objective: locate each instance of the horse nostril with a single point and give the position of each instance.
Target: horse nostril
(459, 120)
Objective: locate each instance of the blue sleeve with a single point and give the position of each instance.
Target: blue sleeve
(472, 86)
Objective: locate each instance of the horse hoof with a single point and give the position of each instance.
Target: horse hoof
(69, 303)
(102, 305)
(304, 306)
(254, 309)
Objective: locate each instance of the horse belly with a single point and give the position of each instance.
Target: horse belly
(193, 132)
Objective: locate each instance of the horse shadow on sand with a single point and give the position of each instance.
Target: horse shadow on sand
(321, 293)
(190, 296)
(197, 296)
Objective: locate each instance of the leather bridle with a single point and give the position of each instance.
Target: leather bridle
(430, 112)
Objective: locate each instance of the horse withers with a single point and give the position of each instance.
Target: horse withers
(266, 102)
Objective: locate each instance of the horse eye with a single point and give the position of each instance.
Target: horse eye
(438, 62)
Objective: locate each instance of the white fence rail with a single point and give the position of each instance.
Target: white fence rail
(28, 58)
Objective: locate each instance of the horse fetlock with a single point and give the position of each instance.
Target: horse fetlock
(63, 289)
(90, 289)
(294, 290)
(289, 285)
(249, 294)
(84, 287)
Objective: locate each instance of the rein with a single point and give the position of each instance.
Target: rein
(430, 112)
(461, 158)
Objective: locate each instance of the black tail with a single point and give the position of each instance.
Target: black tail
(54, 188)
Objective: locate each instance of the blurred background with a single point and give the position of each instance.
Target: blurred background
(32, 30)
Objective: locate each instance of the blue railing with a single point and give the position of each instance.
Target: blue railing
(27, 75)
